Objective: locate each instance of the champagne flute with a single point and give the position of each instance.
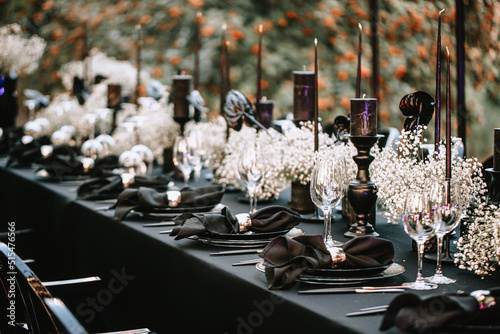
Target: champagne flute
(181, 156)
(328, 183)
(446, 200)
(420, 225)
(250, 172)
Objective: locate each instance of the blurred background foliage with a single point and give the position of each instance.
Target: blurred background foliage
(407, 32)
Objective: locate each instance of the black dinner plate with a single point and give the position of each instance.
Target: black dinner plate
(243, 236)
(176, 210)
(347, 272)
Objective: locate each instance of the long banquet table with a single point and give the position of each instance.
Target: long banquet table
(176, 286)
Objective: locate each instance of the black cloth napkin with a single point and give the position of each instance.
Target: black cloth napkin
(269, 219)
(143, 197)
(61, 165)
(285, 258)
(412, 314)
(21, 154)
(9, 138)
(108, 185)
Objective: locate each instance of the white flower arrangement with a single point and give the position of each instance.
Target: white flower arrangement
(214, 131)
(271, 151)
(17, 53)
(479, 246)
(152, 125)
(115, 71)
(394, 172)
(298, 157)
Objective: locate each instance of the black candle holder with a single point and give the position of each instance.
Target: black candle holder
(362, 192)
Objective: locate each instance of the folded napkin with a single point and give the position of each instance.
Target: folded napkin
(269, 219)
(9, 138)
(412, 314)
(285, 258)
(65, 162)
(108, 185)
(143, 197)
(21, 154)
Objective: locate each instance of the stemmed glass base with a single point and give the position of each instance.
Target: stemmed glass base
(420, 285)
(438, 278)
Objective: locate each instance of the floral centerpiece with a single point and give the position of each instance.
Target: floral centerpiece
(18, 53)
(271, 146)
(394, 172)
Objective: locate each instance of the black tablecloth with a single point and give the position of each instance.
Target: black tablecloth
(150, 280)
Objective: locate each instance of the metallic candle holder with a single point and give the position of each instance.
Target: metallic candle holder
(362, 192)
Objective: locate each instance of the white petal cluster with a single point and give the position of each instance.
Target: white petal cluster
(18, 53)
(98, 63)
(298, 154)
(271, 152)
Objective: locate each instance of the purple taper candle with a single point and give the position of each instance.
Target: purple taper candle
(496, 151)
(437, 127)
(196, 76)
(139, 44)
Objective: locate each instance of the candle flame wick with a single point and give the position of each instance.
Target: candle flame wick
(447, 51)
(199, 14)
(316, 42)
(228, 43)
(260, 28)
(360, 26)
(441, 11)
(138, 27)
(364, 95)
(224, 27)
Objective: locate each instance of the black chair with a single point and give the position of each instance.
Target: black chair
(30, 306)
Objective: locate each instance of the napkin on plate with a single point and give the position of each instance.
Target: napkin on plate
(59, 164)
(269, 219)
(108, 185)
(411, 313)
(21, 154)
(286, 258)
(149, 198)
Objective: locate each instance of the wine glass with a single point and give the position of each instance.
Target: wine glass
(446, 200)
(420, 225)
(196, 140)
(250, 172)
(328, 186)
(181, 157)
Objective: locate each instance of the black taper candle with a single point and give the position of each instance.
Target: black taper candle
(437, 126)
(461, 107)
(448, 118)
(358, 76)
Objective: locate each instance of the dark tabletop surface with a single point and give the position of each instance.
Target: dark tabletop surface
(176, 286)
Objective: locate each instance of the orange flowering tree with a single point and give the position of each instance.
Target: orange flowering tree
(407, 32)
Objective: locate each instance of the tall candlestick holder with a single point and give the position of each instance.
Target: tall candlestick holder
(362, 192)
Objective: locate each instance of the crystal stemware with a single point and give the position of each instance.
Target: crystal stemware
(181, 157)
(328, 186)
(420, 225)
(250, 172)
(446, 200)
(196, 140)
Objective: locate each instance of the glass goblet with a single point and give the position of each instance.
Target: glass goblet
(196, 140)
(446, 200)
(249, 171)
(328, 183)
(420, 225)
(181, 157)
